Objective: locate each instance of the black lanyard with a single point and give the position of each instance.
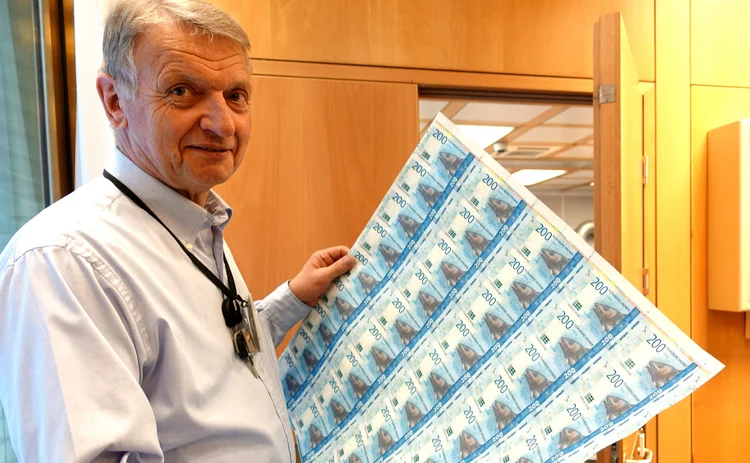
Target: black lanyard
(232, 304)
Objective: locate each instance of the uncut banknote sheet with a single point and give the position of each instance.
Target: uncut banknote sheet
(478, 326)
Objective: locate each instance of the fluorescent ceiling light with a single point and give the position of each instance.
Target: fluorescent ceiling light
(530, 177)
(485, 135)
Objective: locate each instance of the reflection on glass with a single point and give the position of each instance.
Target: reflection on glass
(21, 127)
(21, 166)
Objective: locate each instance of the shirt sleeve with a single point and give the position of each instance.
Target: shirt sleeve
(71, 363)
(281, 310)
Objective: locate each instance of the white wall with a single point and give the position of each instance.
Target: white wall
(574, 210)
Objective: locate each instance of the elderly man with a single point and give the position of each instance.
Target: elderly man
(126, 330)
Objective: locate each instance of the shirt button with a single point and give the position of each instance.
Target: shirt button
(189, 246)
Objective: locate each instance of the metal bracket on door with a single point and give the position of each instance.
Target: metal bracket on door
(607, 94)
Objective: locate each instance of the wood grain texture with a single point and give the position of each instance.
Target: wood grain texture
(316, 169)
(672, 176)
(426, 77)
(618, 151)
(720, 39)
(618, 128)
(534, 37)
(720, 414)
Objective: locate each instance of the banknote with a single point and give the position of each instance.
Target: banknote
(477, 326)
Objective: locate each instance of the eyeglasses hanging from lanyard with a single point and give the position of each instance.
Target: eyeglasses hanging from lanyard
(245, 334)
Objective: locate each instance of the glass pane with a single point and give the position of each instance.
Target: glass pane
(21, 168)
(21, 127)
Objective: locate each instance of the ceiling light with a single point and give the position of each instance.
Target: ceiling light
(485, 135)
(530, 177)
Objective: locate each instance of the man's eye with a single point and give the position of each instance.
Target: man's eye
(179, 91)
(237, 97)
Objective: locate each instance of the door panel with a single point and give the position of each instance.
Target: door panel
(322, 155)
(618, 157)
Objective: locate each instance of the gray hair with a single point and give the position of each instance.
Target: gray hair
(129, 18)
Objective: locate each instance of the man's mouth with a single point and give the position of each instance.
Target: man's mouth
(211, 149)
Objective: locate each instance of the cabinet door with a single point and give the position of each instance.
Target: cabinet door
(322, 155)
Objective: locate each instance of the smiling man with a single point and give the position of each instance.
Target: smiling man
(126, 330)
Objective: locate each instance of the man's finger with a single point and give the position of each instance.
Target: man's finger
(331, 255)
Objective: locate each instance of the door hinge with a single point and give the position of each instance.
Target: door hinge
(645, 289)
(606, 94)
(644, 169)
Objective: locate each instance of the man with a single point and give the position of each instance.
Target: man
(115, 343)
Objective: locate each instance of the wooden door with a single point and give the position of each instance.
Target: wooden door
(619, 163)
(322, 155)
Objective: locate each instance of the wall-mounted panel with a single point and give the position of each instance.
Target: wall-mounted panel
(322, 155)
(720, 40)
(535, 37)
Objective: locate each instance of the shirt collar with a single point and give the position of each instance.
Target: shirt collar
(183, 217)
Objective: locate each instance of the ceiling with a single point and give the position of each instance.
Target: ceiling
(543, 136)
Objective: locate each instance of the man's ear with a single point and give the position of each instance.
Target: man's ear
(105, 86)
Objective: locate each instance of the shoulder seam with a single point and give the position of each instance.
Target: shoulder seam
(119, 288)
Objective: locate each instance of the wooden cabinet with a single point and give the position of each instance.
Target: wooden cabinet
(531, 37)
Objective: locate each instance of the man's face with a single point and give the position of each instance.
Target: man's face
(189, 123)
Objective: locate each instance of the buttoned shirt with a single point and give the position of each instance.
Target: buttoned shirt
(113, 345)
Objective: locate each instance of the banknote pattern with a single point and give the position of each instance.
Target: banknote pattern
(477, 326)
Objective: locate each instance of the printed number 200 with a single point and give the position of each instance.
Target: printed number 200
(443, 139)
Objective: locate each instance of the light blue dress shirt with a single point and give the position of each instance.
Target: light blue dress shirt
(113, 345)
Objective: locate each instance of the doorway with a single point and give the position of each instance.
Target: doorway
(548, 146)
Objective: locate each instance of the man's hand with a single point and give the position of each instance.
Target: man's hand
(318, 273)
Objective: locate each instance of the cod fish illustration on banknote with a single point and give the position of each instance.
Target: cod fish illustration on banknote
(478, 326)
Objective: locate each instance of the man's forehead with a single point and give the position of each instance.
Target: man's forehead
(162, 46)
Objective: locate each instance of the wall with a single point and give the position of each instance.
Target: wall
(719, 95)
(574, 210)
(721, 417)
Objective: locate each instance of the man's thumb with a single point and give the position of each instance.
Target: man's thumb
(342, 265)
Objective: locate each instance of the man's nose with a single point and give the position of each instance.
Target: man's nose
(217, 117)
